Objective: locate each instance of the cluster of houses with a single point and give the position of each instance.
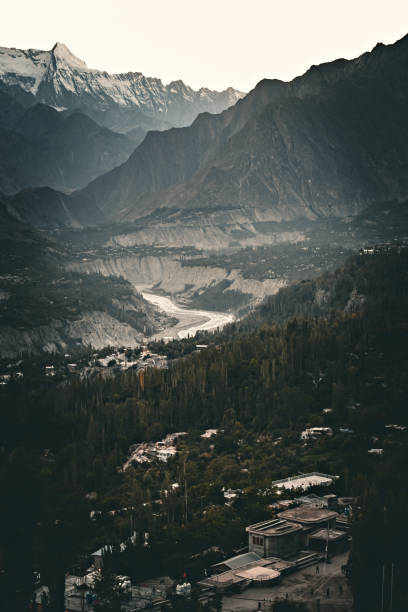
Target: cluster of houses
(163, 450)
(382, 247)
(311, 433)
(120, 360)
(6, 378)
(146, 452)
(302, 532)
(12, 374)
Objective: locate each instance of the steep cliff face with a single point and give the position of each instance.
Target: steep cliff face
(209, 229)
(169, 275)
(329, 143)
(95, 329)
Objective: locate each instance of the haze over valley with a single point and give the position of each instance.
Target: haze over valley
(203, 318)
(291, 167)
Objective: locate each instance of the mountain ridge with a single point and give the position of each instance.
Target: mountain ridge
(332, 142)
(40, 146)
(120, 101)
(264, 151)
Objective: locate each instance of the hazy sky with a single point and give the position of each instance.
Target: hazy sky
(215, 43)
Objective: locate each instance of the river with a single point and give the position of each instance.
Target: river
(189, 320)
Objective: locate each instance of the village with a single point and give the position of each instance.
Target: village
(300, 554)
(84, 364)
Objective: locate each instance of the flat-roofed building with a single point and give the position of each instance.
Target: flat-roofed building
(318, 501)
(302, 482)
(244, 570)
(260, 576)
(310, 516)
(331, 540)
(276, 537)
(311, 519)
(235, 562)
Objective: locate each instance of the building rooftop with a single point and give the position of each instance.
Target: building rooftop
(258, 573)
(329, 534)
(304, 481)
(236, 576)
(308, 514)
(274, 527)
(239, 560)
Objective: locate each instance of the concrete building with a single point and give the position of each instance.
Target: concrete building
(302, 482)
(245, 570)
(332, 540)
(311, 519)
(277, 537)
(318, 501)
(310, 516)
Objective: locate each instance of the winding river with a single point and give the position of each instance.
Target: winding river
(189, 321)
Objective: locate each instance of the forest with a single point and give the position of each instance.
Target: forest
(331, 351)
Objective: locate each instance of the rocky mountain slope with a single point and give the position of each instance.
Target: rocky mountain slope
(45, 308)
(41, 146)
(331, 142)
(46, 209)
(127, 102)
(167, 274)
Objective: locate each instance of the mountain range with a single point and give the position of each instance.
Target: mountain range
(317, 160)
(331, 142)
(129, 102)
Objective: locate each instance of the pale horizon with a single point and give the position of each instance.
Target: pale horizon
(214, 45)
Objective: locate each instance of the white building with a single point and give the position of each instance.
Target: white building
(315, 432)
(305, 481)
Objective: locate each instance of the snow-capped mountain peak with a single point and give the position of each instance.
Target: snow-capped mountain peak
(63, 54)
(119, 101)
(25, 68)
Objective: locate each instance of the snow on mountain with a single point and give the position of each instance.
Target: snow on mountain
(23, 68)
(60, 79)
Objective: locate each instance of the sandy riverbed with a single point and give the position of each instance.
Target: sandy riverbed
(189, 320)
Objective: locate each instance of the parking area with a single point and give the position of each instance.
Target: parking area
(321, 587)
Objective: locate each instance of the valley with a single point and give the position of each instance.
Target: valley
(189, 321)
(203, 301)
(58, 311)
